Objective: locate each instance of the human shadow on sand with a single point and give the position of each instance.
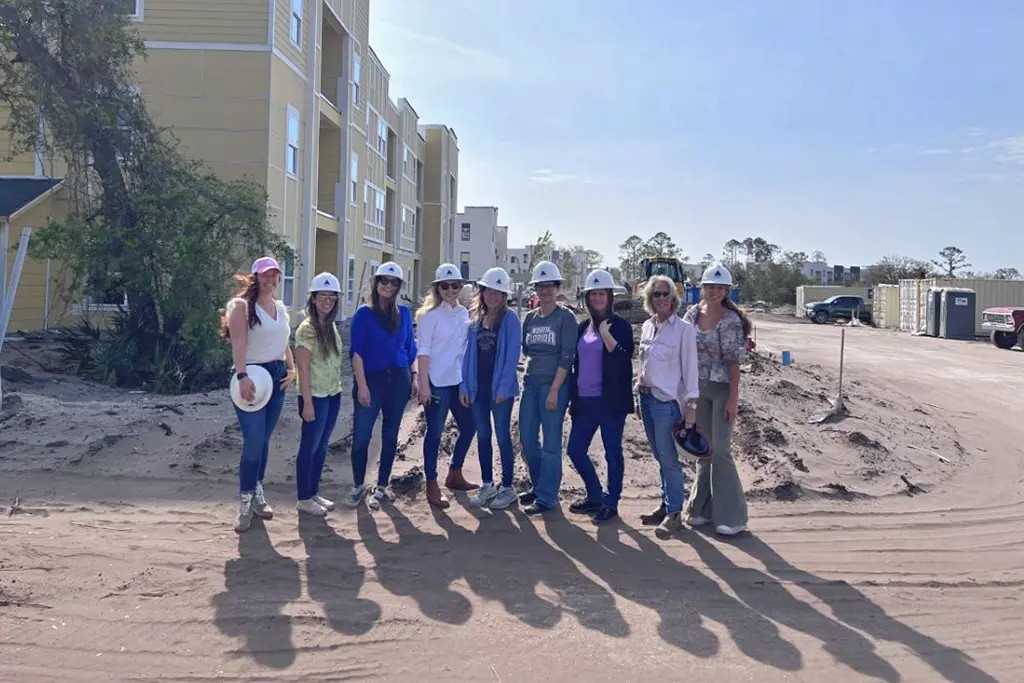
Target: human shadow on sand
(259, 583)
(682, 596)
(854, 609)
(334, 578)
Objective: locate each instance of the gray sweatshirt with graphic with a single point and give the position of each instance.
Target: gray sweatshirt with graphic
(549, 343)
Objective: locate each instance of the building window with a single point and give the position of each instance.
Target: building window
(366, 204)
(353, 171)
(405, 162)
(295, 30)
(288, 281)
(356, 63)
(412, 219)
(351, 277)
(464, 264)
(405, 222)
(466, 231)
(291, 162)
(379, 215)
(382, 136)
(133, 9)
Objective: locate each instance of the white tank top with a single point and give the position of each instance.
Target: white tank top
(267, 341)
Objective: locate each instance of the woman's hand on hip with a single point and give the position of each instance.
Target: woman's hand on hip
(288, 379)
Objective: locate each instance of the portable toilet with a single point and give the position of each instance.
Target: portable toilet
(933, 311)
(957, 313)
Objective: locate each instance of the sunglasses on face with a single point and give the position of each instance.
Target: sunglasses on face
(326, 296)
(389, 281)
(661, 295)
(446, 286)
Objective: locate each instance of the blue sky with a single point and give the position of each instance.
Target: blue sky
(857, 128)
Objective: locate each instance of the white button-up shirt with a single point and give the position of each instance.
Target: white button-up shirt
(668, 360)
(441, 337)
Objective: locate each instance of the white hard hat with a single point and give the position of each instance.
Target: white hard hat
(717, 274)
(496, 279)
(546, 271)
(325, 282)
(264, 388)
(389, 269)
(447, 271)
(598, 279)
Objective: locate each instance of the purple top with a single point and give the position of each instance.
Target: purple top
(591, 356)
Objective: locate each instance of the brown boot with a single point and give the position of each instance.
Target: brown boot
(456, 482)
(669, 526)
(655, 517)
(435, 497)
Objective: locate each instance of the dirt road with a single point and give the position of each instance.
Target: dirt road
(121, 565)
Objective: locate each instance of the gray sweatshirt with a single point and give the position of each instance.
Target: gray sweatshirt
(549, 343)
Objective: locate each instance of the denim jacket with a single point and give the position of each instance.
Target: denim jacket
(506, 360)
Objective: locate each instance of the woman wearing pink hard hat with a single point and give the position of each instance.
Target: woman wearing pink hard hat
(257, 325)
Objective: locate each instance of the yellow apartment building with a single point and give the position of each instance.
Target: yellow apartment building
(290, 94)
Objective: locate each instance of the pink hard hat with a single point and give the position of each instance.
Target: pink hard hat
(263, 264)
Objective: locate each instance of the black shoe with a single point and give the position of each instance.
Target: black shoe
(536, 508)
(605, 514)
(527, 498)
(584, 506)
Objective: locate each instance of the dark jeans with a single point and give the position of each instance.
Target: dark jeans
(257, 428)
(589, 416)
(389, 394)
(540, 434)
(316, 437)
(445, 400)
(484, 408)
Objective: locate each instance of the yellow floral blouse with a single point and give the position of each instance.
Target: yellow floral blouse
(324, 372)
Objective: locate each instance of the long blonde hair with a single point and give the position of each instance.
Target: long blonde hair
(431, 300)
(478, 310)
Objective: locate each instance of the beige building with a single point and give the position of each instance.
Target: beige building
(290, 94)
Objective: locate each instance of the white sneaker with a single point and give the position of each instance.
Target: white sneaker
(730, 530)
(377, 499)
(324, 503)
(355, 496)
(311, 507)
(244, 520)
(484, 495)
(260, 506)
(505, 498)
(697, 521)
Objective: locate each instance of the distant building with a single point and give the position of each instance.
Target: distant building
(476, 229)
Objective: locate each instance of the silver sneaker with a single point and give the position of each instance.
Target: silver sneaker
(505, 498)
(484, 495)
(260, 506)
(324, 503)
(724, 530)
(697, 521)
(311, 507)
(244, 520)
(354, 496)
(377, 499)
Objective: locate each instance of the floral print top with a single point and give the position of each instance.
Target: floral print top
(718, 348)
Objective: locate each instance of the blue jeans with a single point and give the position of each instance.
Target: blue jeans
(483, 409)
(543, 461)
(590, 415)
(316, 437)
(257, 427)
(659, 416)
(389, 394)
(444, 400)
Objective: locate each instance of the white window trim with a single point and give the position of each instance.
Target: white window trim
(295, 21)
(382, 140)
(288, 278)
(292, 111)
(350, 279)
(354, 180)
(356, 77)
(140, 11)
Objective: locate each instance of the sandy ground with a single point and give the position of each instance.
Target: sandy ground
(886, 546)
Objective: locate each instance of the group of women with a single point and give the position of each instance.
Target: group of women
(465, 362)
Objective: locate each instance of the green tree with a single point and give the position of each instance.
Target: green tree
(542, 249)
(795, 260)
(661, 245)
(892, 268)
(1006, 274)
(951, 259)
(706, 261)
(630, 253)
(142, 219)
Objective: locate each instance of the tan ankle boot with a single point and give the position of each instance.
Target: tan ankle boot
(456, 482)
(435, 497)
(655, 517)
(669, 526)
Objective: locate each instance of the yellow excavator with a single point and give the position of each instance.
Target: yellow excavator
(630, 305)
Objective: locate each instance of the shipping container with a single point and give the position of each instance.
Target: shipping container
(989, 293)
(912, 298)
(885, 311)
(809, 294)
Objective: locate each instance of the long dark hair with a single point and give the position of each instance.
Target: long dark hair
(324, 326)
(729, 305)
(390, 315)
(478, 311)
(250, 291)
(596, 316)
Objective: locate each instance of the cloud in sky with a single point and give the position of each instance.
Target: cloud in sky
(546, 176)
(1009, 150)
